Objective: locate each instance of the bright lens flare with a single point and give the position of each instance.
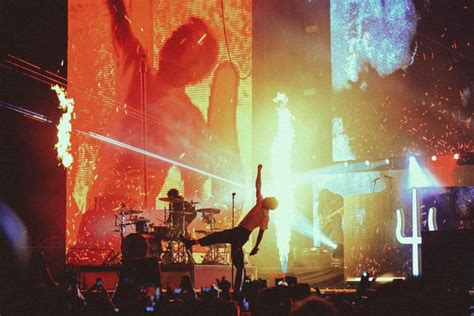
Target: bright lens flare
(282, 148)
(63, 146)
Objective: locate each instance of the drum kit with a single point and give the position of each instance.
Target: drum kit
(163, 241)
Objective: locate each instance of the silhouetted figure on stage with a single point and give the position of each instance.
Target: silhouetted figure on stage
(177, 207)
(258, 216)
(14, 247)
(331, 214)
(42, 293)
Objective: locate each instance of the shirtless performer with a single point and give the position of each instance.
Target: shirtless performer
(258, 216)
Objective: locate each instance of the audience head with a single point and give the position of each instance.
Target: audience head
(38, 272)
(13, 255)
(313, 305)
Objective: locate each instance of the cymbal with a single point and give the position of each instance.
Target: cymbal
(120, 207)
(134, 220)
(171, 200)
(209, 210)
(202, 232)
(131, 212)
(207, 232)
(181, 212)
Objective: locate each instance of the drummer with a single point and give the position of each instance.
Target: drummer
(178, 205)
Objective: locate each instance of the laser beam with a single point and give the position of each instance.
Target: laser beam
(39, 117)
(35, 72)
(25, 112)
(159, 157)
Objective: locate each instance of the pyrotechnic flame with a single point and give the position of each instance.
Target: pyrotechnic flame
(281, 173)
(63, 146)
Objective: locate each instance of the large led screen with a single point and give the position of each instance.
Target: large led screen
(162, 102)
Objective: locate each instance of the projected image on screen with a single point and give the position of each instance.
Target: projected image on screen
(155, 82)
(402, 77)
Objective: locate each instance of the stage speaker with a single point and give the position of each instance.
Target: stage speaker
(448, 258)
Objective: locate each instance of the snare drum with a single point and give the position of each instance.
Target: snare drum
(141, 245)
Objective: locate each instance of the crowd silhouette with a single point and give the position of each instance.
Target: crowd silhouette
(28, 288)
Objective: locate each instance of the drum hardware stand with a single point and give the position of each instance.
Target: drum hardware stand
(111, 258)
(122, 223)
(176, 252)
(118, 221)
(165, 215)
(213, 255)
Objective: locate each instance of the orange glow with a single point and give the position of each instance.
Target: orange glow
(104, 81)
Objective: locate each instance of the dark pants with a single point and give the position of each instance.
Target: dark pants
(236, 237)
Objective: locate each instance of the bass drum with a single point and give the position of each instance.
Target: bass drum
(141, 245)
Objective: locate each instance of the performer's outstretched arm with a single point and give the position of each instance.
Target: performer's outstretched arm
(259, 239)
(258, 183)
(123, 37)
(129, 55)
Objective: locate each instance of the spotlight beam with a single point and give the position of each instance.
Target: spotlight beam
(303, 226)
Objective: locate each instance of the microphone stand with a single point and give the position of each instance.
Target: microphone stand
(143, 104)
(390, 199)
(122, 227)
(118, 221)
(233, 225)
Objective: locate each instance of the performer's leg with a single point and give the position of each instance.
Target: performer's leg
(238, 262)
(225, 236)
